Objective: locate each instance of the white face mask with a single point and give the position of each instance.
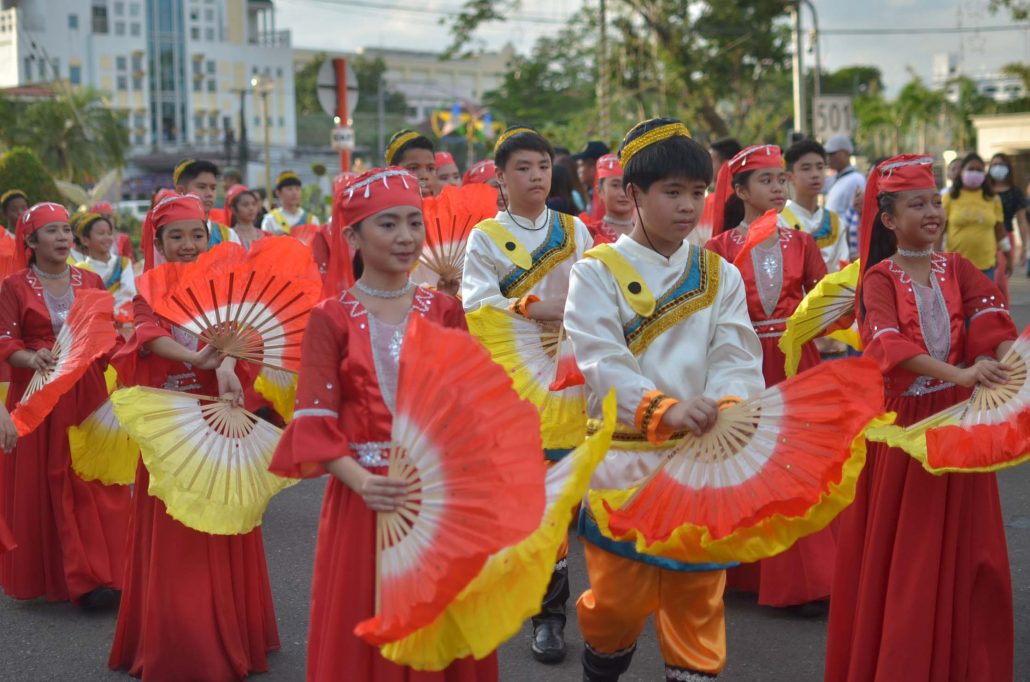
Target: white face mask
(999, 172)
(972, 179)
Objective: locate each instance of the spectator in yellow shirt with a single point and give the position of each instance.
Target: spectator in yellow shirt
(975, 216)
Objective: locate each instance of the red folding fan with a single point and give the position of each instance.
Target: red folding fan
(252, 306)
(472, 489)
(88, 333)
(775, 468)
(305, 233)
(758, 232)
(449, 218)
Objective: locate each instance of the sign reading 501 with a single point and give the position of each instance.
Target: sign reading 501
(831, 116)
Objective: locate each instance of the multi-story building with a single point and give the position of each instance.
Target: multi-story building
(180, 69)
(1000, 87)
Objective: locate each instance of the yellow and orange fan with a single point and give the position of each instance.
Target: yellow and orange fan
(987, 432)
(828, 309)
(537, 356)
(252, 305)
(88, 333)
(278, 387)
(775, 468)
(207, 459)
(471, 489)
(101, 450)
(449, 218)
(509, 588)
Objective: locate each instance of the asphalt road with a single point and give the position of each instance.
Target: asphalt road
(56, 642)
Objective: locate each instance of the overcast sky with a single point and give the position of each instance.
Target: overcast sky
(346, 25)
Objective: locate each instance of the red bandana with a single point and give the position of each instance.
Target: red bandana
(480, 173)
(749, 159)
(444, 159)
(102, 207)
(33, 220)
(608, 167)
(169, 209)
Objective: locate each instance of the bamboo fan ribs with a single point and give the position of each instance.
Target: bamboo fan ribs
(87, 333)
(775, 468)
(251, 306)
(987, 432)
(449, 218)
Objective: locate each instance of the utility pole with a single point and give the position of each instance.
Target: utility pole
(602, 72)
(380, 117)
(800, 123)
(244, 151)
(817, 82)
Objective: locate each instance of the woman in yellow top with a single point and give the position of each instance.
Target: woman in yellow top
(974, 214)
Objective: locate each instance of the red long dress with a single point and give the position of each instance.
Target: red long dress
(776, 281)
(70, 533)
(922, 591)
(196, 606)
(342, 411)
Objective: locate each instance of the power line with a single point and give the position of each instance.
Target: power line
(921, 31)
(444, 12)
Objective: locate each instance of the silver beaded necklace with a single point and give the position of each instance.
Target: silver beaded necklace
(908, 253)
(50, 275)
(384, 293)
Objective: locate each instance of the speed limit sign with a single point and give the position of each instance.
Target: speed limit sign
(831, 116)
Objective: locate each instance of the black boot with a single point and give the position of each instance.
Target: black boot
(100, 599)
(549, 625)
(598, 667)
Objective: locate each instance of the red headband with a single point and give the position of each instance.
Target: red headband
(480, 173)
(444, 159)
(230, 196)
(102, 207)
(167, 210)
(608, 167)
(751, 158)
(896, 174)
(32, 221)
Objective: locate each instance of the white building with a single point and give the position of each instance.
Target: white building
(176, 67)
(998, 86)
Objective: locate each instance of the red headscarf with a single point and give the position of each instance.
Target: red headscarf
(102, 207)
(30, 222)
(444, 159)
(896, 174)
(171, 208)
(480, 173)
(230, 197)
(369, 193)
(751, 158)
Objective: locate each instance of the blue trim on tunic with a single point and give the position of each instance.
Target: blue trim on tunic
(555, 239)
(687, 285)
(556, 454)
(587, 529)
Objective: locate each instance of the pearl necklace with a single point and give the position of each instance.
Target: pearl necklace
(50, 275)
(618, 223)
(384, 293)
(908, 253)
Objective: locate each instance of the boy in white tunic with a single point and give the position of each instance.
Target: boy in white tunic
(806, 170)
(520, 261)
(666, 323)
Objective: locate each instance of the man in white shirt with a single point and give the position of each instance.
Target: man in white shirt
(843, 187)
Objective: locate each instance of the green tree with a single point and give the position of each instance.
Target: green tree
(78, 135)
(305, 81)
(21, 168)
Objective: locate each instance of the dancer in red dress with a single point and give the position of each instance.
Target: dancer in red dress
(196, 606)
(922, 590)
(777, 274)
(342, 423)
(70, 533)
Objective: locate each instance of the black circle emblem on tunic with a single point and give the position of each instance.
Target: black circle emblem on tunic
(634, 287)
(510, 246)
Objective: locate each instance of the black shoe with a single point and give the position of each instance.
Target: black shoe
(100, 599)
(812, 609)
(548, 642)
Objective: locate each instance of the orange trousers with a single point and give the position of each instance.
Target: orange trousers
(688, 607)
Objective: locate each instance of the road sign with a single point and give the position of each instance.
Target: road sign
(343, 138)
(326, 88)
(831, 116)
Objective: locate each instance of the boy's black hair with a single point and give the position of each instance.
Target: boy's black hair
(801, 148)
(728, 147)
(10, 196)
(287, 179)
(188, 171)
(986, 188)
(85, 225)
(676, 156)
(528, 139)
(417, 141)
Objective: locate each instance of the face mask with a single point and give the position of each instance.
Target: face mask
(999, 172)
(972, 179)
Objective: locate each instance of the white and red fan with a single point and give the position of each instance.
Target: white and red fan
(87, 334)
(449, 218)
(460, 438)
(207, 459)
(775, 468)
(251, 306)
(988, 432)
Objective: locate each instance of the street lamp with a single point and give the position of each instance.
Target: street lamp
(263, 85)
